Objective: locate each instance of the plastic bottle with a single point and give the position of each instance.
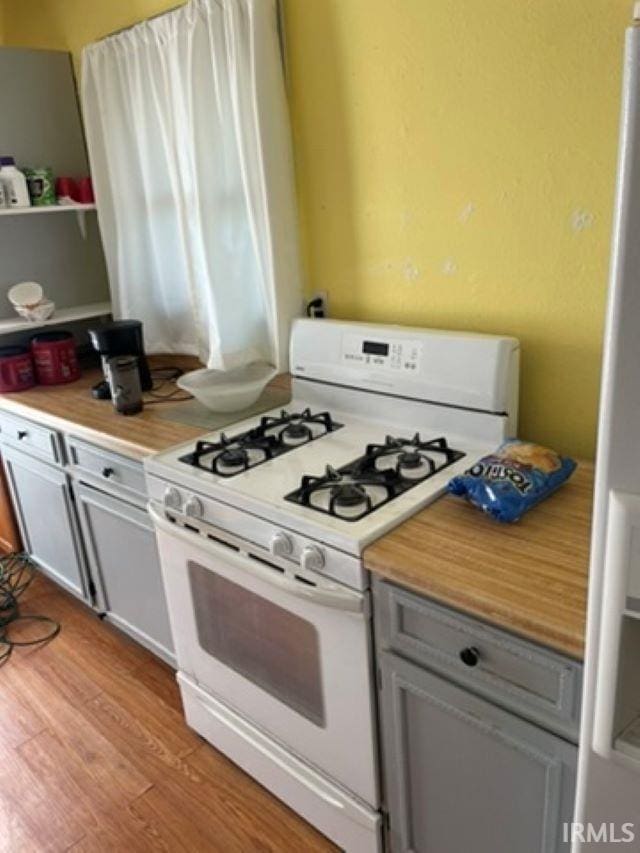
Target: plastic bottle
(14, 183)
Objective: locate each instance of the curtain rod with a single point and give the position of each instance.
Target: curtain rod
(150, 18)
(279, 12)
(280, 26)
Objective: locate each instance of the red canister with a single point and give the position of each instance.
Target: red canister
(16, 369)
(55, 358)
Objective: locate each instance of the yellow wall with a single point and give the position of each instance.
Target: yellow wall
(70, 24)
(455, 164)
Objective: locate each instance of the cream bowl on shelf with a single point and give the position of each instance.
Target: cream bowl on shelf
(25, 294)
(228, 390)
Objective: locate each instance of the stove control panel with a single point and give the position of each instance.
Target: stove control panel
(386, 353)
(211, 515)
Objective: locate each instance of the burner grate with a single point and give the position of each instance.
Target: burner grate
(273, 436)
(382, 473)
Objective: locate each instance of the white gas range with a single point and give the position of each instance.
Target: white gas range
(261, 531)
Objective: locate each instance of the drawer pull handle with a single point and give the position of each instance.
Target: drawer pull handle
(22, 434)
(470, 656)
(108, 472)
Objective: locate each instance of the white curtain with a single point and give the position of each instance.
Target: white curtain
(190, 150)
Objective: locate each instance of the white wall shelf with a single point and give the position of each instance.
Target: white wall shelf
(49, 208)
(63, 315)
(79, 209)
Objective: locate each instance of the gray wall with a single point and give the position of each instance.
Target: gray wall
(40, 126)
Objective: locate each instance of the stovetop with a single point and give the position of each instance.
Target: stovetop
(379, 474)
(346, 483)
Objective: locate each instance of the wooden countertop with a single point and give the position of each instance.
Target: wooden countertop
(71, 408)
(529, 577)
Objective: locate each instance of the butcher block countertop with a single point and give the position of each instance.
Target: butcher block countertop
(71, 408)
(529, 577)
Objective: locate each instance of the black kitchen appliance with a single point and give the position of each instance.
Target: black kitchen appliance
(120, 337)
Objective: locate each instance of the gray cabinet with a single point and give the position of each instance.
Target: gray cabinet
(463, 775)
(478, 731)
(82, 515)
(124, 563)
(44, 507)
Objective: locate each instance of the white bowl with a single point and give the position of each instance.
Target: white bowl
(26, 294)
(37, 313)
(228, 390)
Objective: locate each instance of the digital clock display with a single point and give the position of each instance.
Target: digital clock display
(375, 348)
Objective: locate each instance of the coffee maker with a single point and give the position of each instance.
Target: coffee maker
(120, 337)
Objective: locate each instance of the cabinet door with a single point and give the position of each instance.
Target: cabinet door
(462, 775)
(44, 506)
(123, 558)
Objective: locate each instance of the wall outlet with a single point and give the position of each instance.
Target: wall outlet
(318, 305)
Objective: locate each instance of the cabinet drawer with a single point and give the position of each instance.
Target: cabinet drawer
(114, 473)
(528, 679)
(30, 437)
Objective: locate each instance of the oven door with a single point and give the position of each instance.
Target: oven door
(291, 656)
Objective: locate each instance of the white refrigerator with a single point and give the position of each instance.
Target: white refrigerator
(608, 798)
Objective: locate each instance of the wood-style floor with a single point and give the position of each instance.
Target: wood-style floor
(95, 755)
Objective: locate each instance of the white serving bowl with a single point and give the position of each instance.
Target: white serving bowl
(228, 390)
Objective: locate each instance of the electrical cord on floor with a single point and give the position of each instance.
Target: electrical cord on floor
(161, 377)
(16, 573)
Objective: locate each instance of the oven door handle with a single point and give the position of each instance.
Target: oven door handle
(352, 602)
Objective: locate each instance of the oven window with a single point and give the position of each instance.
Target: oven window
(275, 649)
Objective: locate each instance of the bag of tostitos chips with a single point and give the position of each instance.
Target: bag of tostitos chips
(512, 480)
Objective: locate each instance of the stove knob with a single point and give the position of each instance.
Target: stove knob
(281, 545)
(172, 498)
(312, 558)
(193, 507)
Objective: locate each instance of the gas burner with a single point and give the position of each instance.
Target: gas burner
(273, 436)
(233, 458)
(349, 499)
(348, 494)
(412, 459)
(230, 456)
(344, 494)
(413, 465)
(296, 433)
(384, 472)
(299, 427)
